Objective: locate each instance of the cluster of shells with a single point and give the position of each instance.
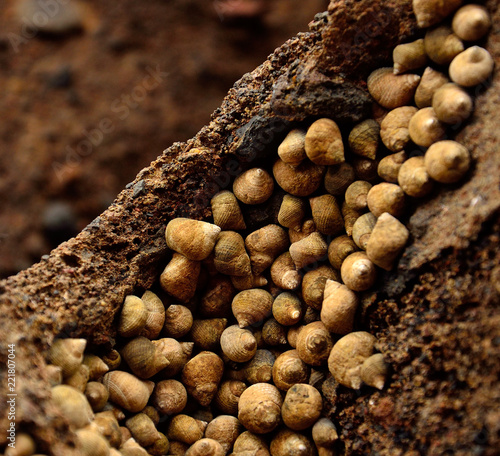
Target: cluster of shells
(255, 322)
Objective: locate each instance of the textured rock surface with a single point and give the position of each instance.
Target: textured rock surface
(436, 316)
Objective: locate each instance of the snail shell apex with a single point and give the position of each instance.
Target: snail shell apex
(430, 12)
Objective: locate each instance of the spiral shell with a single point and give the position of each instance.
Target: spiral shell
(185, 428)
(442, 45)
(364, 139)
(254, 186)
(471, 67)
(216, 299)
(206, 334)
(386, 197)
(287, 442)
(324, 434)
(365, 169)
(301, 180)
(178, 321)
(128, 391)
(338, 178)
(251, 306)
(287, 309)
(78, 379)
(91, 443)
(447, 161)
(362, 229)
(259, 408)
(339, 308)
(259, 368)
(309, 250)
(73, 405)
(264, 245)
(156, 315)
(302, 406)
(169, 397)
(228, 396)
(97, 395)
(355, 195)
(67, 354)
(430, 12)
(292, 212)
(224, 429)
(374, 371)
(394, 128)
(205, 447)
(413, 177)
(143, 429)
(249, 444)
(313, 285)
(231, 258)
(350, 216)
(227, 212)
(284, 274)
(180, 277)
(143, 358)
(107, 425)
(430, 82)
(323, 143)
(238, 344)
(425, 128)
(314, 343)
(471, 22)
(289, 369)
(389, 166)
(452, 104)
(409, 56)
(338, 249)
(326, 214)
(273, 333)
(358, 272)
(292, 149)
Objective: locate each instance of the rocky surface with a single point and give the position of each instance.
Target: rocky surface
(436, 316)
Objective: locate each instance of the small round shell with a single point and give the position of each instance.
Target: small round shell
(287, 309)
(292, 149)
(452, 104)
(230, 256)
(143, 358)
(414, 179)
(430, 82)
(73, 405)
(97, 395)
(249, 444)
(224, 429)
(339, 249)
(287, 442)
(128, 391)
(259, 408)
(238, 344)
(374, 371)
(356, 193)
(447, 161)
(362, 229)
(386, 197)
(143, 429)
(292, 212)
(226, 211)
(301, 180)
(388, 168)
(364, 139)
(206, 334)
(184, 428)
(425, 128)
(326, 214)
(178, 321)
(324, 434)
(302, 406)
(284, 273)
(289, 369)
(358, 272)
(180, 277)
(430, 12)
(442, 45)
(390, 90)
(156, 315)
(254, 186)
(169, 397)
(338, 178)
(409, 56)
(251, 306)
(323, 143)
(314, 343)
(133, 317)
(309, 250)
(264, 245)
(67, 354)
(394, 128)
(339, 308)
(313, 284)
(471, 22)
(259, 369)
(205, 447)
(471, 67)
(228, 396)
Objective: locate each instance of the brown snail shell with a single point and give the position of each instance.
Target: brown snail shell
(273, 333)
(156, 315)
(79, 378)
(471, 22)
(292, 212)
(254, 186)
(452, 104)
(355, 195)
(73, 405)
(347, 356)
(338, 178)
(324, 434)
(301, 180)
(227, 212)
(133, 317)
(259, 368)
(169, 397)
(185, 428)
(284, 274)
(358, 272)
(307, 228)
(216, 299)
(389, 236)
(302, 406)
(231, 258)
(97, 395)
(425, 128)
(178, 321)
(339, 308)
(323, 143)
(409, 56)
(386, 197)
(314, 343)
(249, 444)
(442, 45)
(389, 166)
(374, 371)
(430, 82)
(259, 408)
(364, 139)
(131, 448)
(160, 447)
(292, 149)
(310, 315)
(177, 448)
(225, 429)
(413, 177)
(365, 169)
(246, 282)
(313, 285)
(205, 447)
(430, 12)
(251, 306)
(350, 216)
(289, 369)
(91, 443)
(228, 396)
(447, 161)
(127, 391)
(292, 334)
(338, 250)
(67, 354)
(308, 250)
(394, 128)
(112, 359)
(471, 67)
(201, 376)
(178, 353)
(326, 214)
(238, 344)
(192, 238)
(264, 245)
(206, 334)
(287, 309)
(287, 442)
(180, 277)
(362, 229)
(392, 91)
(143, 429)
(152, 413)
(117, 411)
(143, 358)
(107, 425)
(53, 374)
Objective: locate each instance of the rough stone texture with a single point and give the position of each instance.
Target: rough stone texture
(436, 316)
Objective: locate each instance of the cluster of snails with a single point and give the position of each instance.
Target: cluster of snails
(254, 324)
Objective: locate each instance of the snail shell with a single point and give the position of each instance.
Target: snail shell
(365, 169)
(133, 317)
(388, 238)
(178, 321)
(338, 250)
(97, 395)
(259, 368)
(287, 309)
(254, 186)
(152, 413)
(390, 90)
(192, 238)
(132, 448)
(302, 406)
(226, 211)
(301, 180)
(107, 425)
(79, 378)
(292, 212)
(324, 434)
(339, 308)
(355, 195)
(180, 277)
(413, 177)
(350, 216)
(264, 245)
(347, 356)
(358, 272)
(323, 143)
(251, 306)
(169, 397)
(216, 299)
(238, 344)
(314, 343)
(442, 45)
(452, 104)
(307, 228)
(430, 12)
(143, 358)
(206, 334)
(249, 444)
(205, 447)
(447, 161)
(292, 149)
(313, 285)
(338, 178)
(185, 428)
(53, 374)
(471, 22)
(309, 250)
(225, 429)
(292, 334)
(91, 443)
(386, 197)
(364, 139)
(67, 354)
(127, 391)
(289, 369)
(143, 429)
(409, 56)
(156, 315)
(259, 408)
(246, 282)
(73, 405)
(394, 128)
(326, 214)
(389, 166)
(471, 67)
(374, 371)
(228, 396)
(284, 274)
(362, 229)
(425, 128)
(160, 447)
(24, 446)
(430, 82)
(273, 333)
(286, 442)
(231, 258)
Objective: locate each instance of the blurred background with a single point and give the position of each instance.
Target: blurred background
(93, 91)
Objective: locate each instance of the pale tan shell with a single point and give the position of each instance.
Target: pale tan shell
(374, 371)
(452, 104)
(97, 395)
(91, 443)
(389, 236)
(249, 444)
(107, 425)
(225, 429)
(289, 369)
(442, 45)
(350, 216)
(301, 180)
(180, 277)
(339, 308)
(301, 407)
(238, 344)
(143, 358)
(143, 429)
(133, 317)
(169, 397)
(314, 343)
(313, 285)
(251, 306)
(273, 333)
(430, 82)
(447, 161)
(292, 212)
(131, 448)
(67, 354)
(309, 250)
(127, 391)
(471, 67)
(307, 228)
(206, 333)
(430, 12)
(287, 308)
(356, 193)
(53, 374)
(471, 22)
(231, 258)
(192, 238)
(347, 356)
(358, 272)
(362, 228)
(24, 446)
(185, 428)
(425, 128)
(287, 442)
(201, 376)
(216, 299)
(338, 249)
(73, 405)
(292, 149)
(324, 434)
(259, 408)
(254, 186)
(389, 166)
(178, 321)
(156, 315)
(364, 139)
(409, 56)
(205, 447)
(228, 396)
(390, 90)
(338, 178)
(227, 212)
(241, 283)
(259, 368)
(394, 128)
(414, 179)
(323, 143)
(326, 214)
(79, 378)
(264, 245)
(386, 197)
(284, 274)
